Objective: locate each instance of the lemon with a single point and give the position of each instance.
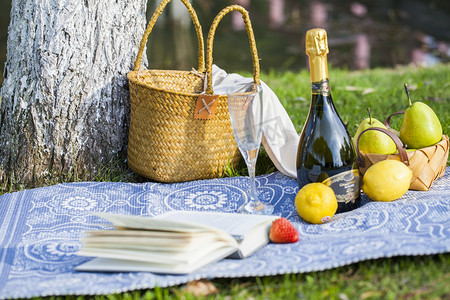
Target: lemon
(316, 203)
(386, 180)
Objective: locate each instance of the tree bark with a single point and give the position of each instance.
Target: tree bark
(65, 102)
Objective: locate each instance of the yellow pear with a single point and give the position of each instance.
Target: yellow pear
(373, 141)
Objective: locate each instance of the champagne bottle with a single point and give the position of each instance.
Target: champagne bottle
(325, 151)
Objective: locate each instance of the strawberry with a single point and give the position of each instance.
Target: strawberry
(282, 231)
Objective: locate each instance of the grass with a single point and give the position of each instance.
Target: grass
(383, 279)
(380, 89)
(421, 277)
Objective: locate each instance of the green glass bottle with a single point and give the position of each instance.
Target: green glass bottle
(325, 151)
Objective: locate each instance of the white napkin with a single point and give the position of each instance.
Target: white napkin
(280, 139)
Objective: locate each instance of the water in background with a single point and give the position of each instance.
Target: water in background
(363, 34)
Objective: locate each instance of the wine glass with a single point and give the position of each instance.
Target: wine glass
(246, 111)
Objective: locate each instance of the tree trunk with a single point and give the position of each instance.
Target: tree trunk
(65, 103)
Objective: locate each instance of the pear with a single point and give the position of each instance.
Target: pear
(373, 141)
(420, 127)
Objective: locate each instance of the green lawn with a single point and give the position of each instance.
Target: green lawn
(380, 89)
(422, 277)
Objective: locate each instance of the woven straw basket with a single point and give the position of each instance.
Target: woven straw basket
(427, 164)
(166, 142)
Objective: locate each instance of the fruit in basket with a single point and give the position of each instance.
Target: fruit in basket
(282, 231)
(373, 141)
(316, 203)
(420, 127)
(386, 180)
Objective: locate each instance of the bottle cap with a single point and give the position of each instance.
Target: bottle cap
(316, 42)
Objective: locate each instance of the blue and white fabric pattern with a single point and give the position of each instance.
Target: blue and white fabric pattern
(40, 232)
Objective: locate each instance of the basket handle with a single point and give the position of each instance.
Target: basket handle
(198, 30)
(387, 122)
(400, 147)
(210, 39)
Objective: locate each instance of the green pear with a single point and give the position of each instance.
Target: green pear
(373, 141)
(420, 127)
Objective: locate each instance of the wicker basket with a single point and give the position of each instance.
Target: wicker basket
(427, 164)
(166, 142)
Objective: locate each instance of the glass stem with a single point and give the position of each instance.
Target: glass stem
(252, 156)
(252, 180)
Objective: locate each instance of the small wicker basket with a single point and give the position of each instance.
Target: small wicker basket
(427, 164)
(166, 142)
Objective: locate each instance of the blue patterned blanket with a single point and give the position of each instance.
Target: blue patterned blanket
(40, 230)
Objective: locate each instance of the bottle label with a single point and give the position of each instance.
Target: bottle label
(322, 87)
(346, 186)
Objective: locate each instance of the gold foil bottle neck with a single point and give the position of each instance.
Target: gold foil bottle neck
(316, 42)
(317, 49)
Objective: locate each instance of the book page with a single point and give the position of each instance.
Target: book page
(163, 243)
(153, 223)
(185, 257)
(123, 265)
(150, 247)
(237, 225)
(150, 236)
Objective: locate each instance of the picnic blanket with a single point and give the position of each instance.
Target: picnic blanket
(40, 231)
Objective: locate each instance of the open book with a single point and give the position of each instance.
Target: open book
(177, 242)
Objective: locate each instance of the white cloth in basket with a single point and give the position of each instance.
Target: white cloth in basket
(280, 139)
